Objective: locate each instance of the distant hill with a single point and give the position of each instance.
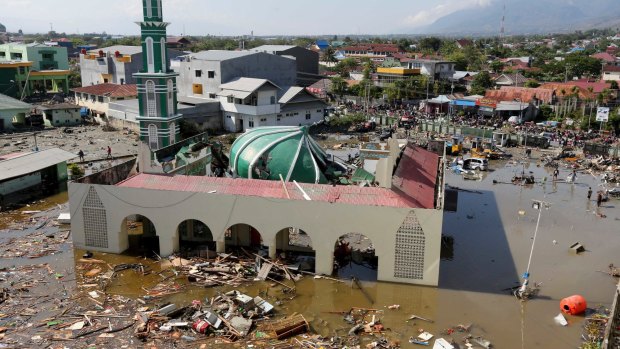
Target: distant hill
(529, 17)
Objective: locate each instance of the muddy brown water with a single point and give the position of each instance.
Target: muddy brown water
(490, 251)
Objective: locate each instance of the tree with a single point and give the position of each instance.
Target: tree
(532, 84)
(339, 86)
(481, 83)
(497, 66)
(430, 44)
(458, 57)
(614, 85)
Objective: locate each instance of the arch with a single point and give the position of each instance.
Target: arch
(151, 104)
(354, 255)
(195, 238)
(149, 9)
(164, 65)
(140, 234)
(150, 62)
(296, 246)
(153, 138)
(170, 92)
(242, 235)
(159, 8)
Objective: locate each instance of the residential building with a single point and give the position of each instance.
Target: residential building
(321, 88)
(248, 103)
(376, 52)
(202, 73)
(606, 57)
(300, 107)
(177, 42)
(435, 69)
(114, 64)
(2, 28)
(24, 176)
(462, 43)
(387, 76)
(536, 96)
(26, 69)
(611, 72)
(516, 79)
(98, 97)
(307, 61)
(12, 111)
(43, 57)
(60, 114)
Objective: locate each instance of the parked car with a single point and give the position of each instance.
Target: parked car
(479, 164)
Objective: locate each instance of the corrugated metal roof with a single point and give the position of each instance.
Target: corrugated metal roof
(416, 176)
(7, 102)
(220, 55)
(33, 162)
(269, 189)
(236, 94)
(111, 90)
(246, 84)
(272, 48)
(122, 49)
(290, 94)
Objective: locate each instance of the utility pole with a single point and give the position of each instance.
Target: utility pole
(522, 292)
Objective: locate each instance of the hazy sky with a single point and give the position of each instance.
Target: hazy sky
(231, 17)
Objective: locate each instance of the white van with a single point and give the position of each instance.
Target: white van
(479, 164)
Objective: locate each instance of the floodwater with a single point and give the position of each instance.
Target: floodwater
(492, 242)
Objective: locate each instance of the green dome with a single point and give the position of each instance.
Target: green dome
(268, 152)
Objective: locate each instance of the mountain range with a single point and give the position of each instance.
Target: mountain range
(528, 17)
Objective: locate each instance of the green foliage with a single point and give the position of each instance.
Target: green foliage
(614, 85)
(347, 120)
(430, 44)
(76, 171)
(345, 66)
(231, 138)
(546, 112)
(497, 66)
(458, 57)
(188, 128)
(75, 79)
(532, 83)
(481, 83)
(126, 41)
(339, 86)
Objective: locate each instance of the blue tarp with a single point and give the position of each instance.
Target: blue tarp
(464, 103)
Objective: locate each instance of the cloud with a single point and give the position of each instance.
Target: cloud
(426, 17)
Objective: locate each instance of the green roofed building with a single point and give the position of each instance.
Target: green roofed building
(268, 152)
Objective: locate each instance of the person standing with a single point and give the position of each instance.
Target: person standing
(556, 172)
(589, 192)
(81, 155)
(109, 152)
(599, 199)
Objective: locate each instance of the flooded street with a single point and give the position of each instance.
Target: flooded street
(492, 234)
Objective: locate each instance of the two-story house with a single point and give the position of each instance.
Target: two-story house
(113, 64)
(435, 69)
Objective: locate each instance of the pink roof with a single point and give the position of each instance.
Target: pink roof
(353, 195)
(12, 156)
(606, 57)
(416, 176)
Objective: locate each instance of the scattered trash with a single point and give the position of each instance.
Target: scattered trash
(560, 320)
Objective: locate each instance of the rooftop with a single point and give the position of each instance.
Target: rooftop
(246, 84)
(220, 55)
(416, 176)
(272, 48)
(109, 90)
(58, 106)
(32, 162)
(122, 49)
(7, 102)
(269, 189)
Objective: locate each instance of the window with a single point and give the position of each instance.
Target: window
(159, 8)
(198, 73)
(319, 110)
(211, 74)
(151, 107)
(100, 99)
(197, 89)
(16, 55)
(251, 123)
(149, 9)
(149, 54)
(164, 65)
(122, 81)
(263, 119)
(2, 55)
(308, 116)
(272, 99)
(230, 99)
(153, 141)
(47, 56)
(22, 70)
(170, 97)
(173, 133)
(105, 81)
(212, 95)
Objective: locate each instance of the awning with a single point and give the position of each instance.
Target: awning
(463, 103)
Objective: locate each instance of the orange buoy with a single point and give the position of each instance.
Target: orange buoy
(573, 305)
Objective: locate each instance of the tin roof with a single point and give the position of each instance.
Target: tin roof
(7, 102)
(416, 176)
(111, 90)
(353, 195)
(32, 162)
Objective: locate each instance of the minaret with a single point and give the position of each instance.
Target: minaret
(157, 86)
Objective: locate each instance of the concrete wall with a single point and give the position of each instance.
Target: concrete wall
(323, 222)
(112, 175)
(62, 117)
(60, 57)
(6, 118)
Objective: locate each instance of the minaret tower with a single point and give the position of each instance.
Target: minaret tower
(159, 121)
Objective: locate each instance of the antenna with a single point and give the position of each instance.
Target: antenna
(501, 30)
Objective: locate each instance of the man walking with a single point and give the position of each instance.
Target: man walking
(590, 193)
(109, 152)
(599, 199)
(81, 155)
(556, 172)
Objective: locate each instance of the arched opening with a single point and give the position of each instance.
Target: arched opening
(170, 103)
(153, 137)
(195, 239)
(141, 236)
(151, 105)
(164, 63)
(243, 236)
(295, 247)
(354, 256)
(150, 60)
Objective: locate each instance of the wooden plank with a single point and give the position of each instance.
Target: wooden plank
(264, 271)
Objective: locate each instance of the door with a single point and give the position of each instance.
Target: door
(239, 125)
